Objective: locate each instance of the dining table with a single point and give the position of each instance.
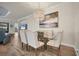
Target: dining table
(43, 38)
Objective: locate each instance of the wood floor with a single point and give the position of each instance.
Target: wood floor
(14, 49)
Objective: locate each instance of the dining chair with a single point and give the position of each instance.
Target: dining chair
(32, 37)
(48, 34)
(23, 38)
(40, 35)
(55, 41)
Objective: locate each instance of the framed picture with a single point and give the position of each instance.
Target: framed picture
(50, 21)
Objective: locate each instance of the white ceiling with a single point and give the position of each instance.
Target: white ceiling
(21, 9)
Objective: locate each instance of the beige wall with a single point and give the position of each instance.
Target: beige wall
(76, 20)
(65, 21)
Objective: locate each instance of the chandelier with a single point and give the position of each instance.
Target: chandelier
(39, 13)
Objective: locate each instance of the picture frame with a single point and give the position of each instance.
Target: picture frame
(50, 21)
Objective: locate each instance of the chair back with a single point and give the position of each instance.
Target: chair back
(32, 38)
(48, 34)
(23, 36)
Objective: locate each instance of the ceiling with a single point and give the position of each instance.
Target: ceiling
(20, 9)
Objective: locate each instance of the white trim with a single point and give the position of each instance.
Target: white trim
(24, 18)
(69, 45)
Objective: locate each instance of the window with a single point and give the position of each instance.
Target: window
(4, 26)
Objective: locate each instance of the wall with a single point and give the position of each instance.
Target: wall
(66, 21)
(69, 22)
(12, 29)
(76, 27)
(32, 23)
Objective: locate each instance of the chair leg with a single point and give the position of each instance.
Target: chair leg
(27, 47)
(22, 45)
(43, 48)
(59, 53)
(36, 52)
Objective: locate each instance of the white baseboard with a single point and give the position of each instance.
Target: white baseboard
(69, 45)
